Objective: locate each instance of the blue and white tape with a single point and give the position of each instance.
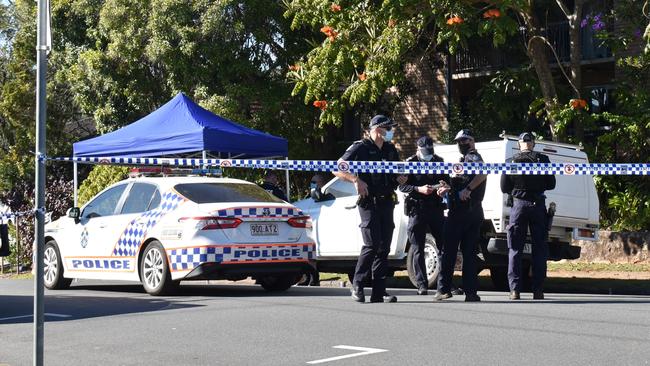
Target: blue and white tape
(393, 167)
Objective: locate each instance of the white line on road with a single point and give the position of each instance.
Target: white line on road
(30, 315)
(363, 352)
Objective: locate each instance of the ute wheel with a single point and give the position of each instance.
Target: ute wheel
(431, 260)
(154, 270)
(53, 268)
(278, 282)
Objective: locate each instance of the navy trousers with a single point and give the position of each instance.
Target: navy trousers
(526, 215)
(463, 227)
(377, 232)
(423, 221)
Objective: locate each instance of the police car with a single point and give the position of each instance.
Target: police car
(161, 230)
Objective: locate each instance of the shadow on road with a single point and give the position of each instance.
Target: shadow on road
(18, 309)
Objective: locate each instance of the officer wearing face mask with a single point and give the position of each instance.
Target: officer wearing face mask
(376, 202)
(424, 209)
(464, 219)
(528, 211)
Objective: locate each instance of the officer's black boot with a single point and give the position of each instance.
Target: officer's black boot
(357, 294)
(385, 298)
(422, 290)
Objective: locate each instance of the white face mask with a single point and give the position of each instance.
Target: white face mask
(423, 154)
(389, 135)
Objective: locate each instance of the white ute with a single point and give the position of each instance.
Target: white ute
(338, 238)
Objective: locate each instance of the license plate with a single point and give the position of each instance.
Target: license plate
(528, 248)
(264, 229)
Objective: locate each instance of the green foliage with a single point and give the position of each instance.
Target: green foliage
(366, 44)
(502, 104)
(100, 177)
(229, 56)
(625, 200)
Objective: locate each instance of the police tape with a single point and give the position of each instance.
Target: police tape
(392, 167)
(6, 216)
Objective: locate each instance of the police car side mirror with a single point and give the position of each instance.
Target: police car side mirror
(316, 194)
(74, 213)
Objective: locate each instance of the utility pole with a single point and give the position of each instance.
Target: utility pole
(39, 212)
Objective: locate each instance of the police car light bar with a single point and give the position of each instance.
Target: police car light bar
(147, 171)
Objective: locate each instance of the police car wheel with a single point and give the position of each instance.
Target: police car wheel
(53, 268)
(278, 282)
(154, 271)
(431, 260)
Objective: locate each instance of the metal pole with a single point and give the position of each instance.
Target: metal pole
(17, 245)
(39, 225)
(75, 183)
(287, 179)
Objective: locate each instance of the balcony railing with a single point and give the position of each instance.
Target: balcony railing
(482, 56)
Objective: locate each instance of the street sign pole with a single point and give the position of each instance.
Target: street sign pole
(39, 213)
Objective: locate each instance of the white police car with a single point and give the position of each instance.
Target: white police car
(161, 230)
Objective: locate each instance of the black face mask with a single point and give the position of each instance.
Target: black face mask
(463, 148)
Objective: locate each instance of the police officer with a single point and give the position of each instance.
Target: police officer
(424, 208)
(376, 203)
(464, 219)
(271, 185)
(528, 211)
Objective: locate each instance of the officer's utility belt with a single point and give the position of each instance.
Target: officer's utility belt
(376, 199)
(535, 200)
(455, 203)
(413, 205)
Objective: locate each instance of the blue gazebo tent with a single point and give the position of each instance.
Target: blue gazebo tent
(181, 126)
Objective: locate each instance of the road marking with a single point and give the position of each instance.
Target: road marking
(363, 352)
(31, 315)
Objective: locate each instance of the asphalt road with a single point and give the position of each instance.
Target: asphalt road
(99, 323)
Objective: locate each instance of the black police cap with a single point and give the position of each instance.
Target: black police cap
(425, 141)
(381, 121)
(464, 134)
(526, 137)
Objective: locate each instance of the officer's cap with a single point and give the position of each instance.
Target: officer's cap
(526, 137)
(381, 121)
(425, 143)
(464, 134)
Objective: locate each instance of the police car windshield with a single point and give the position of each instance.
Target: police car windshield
(224, 192)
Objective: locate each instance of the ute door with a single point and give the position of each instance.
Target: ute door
(337, 226)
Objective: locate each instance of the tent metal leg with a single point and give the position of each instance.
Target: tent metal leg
(287, 180)
(75, 183)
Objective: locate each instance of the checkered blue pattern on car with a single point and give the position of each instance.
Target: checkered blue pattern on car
(260, 212)
(186, 259)
(134, 233)
(393, 167)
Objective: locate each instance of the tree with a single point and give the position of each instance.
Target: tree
(229, 56)
(365, 45)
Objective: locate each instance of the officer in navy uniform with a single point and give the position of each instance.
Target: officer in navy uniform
(528, 211)
(424, 209)
(376, 203)
(464, 219)
(271, 185)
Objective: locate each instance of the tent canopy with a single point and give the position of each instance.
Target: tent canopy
(181, 126)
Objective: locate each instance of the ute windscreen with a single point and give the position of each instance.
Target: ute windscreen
(224, 192)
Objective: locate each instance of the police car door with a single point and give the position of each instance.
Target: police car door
(86, 244)
(337, 227)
